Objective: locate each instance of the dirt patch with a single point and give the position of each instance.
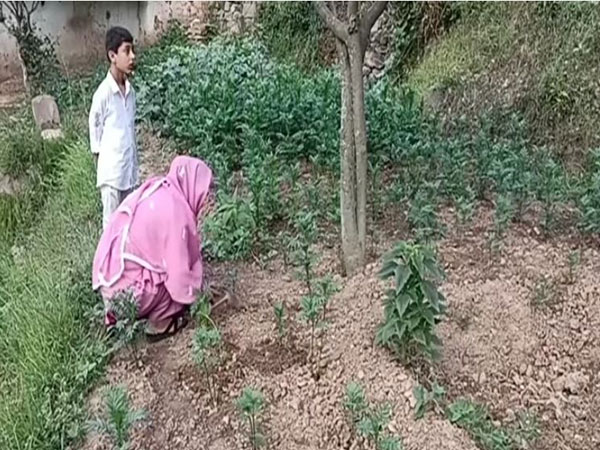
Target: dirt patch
(507, 344)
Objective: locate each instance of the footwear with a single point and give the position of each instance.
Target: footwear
(177, 323)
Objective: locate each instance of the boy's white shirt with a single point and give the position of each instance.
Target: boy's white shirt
(112, 134)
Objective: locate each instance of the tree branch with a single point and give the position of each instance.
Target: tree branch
(332, 22)
(372, 15)
(369, 20)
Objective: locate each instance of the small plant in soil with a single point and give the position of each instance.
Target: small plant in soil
(326, 287)
(505, 211)
(251, 405)
(414, 306)
(574, 261)
(427, 399)
(543, 293)
(128, 330)
(119, 417)
(200, 312)
(369, 421)
(475, 419)
(355, 402)
(206, 349)
(280, 319)
(311, 311)
(303, 257)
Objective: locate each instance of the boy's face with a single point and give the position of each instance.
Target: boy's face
(124, 58)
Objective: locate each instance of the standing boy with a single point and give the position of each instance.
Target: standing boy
(112, 124)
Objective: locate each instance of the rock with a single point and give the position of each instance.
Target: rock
(575, 324)
(45, 112)
(575, 382)
(558, 384)
(374, 60)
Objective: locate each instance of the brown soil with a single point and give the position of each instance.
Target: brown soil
(507, 343)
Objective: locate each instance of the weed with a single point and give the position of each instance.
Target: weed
(120, 417)
(426, 399)
(280, 318)
(206, 351)
(414, 306)
(422, 215)
(251, 404)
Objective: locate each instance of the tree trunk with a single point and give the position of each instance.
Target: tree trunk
(348, 201)
(360, 141)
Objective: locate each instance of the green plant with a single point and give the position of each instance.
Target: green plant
(120, 417)
(201, 310)
(230, 229)
(279, 312)
(355, 402)
(128, 329)
(311, 311)
(301, 247)
(425, 399)
(544, 293)
(368, 421)
(326, 287)
(574, 261)
(476, 420)
(293, 32)
(206, 351)
(422, 214)
(251, 404)
(414, 306)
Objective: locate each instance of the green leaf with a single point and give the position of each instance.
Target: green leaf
(431, 294)
(402, 276)
(402, 301)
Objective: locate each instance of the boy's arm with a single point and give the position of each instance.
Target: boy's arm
(96, 123)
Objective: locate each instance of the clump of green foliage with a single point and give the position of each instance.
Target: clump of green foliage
(427, 399)
(414, 306)
(369, 421)
(119, 417)
(300, 246)
(251, 405)
(280, 319)
(476, 420)
(128, 329)
(293, 32)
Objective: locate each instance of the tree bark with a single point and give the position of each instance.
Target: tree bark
(350, 247)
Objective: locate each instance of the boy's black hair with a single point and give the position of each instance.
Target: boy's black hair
(115, 36)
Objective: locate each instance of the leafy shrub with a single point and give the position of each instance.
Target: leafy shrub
(414, 306)
(230, 229)
(207, 342)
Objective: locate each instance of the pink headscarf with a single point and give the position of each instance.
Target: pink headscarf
(156, 228)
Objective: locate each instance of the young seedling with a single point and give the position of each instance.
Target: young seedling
(207, 342)
(311, 308)
(201, 310)
(251, 405)
(304, 258)
(279, 312)
(425, 399)
(370, 422)
(355, 402)
(326, 287)
(574, 261)
(120, 417)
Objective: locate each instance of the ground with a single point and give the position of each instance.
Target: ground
(522, 333)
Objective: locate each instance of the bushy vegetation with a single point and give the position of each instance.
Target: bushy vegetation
(49, 353)
(536, 59)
